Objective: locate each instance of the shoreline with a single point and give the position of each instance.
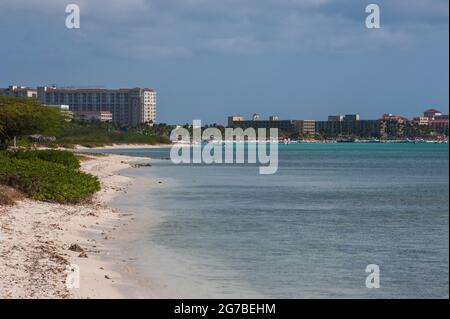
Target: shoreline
(80, 148)
(35, 238)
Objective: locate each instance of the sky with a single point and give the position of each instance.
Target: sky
(208, 59)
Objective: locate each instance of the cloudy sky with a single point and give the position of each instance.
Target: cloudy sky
(300, 59)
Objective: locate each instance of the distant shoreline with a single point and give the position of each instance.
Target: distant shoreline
(312, 141)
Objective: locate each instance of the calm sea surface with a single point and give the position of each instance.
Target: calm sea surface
(308, 231)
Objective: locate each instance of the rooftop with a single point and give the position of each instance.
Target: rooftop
(432, 111)
(90, 89)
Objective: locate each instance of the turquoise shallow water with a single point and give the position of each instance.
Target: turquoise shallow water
(308, 231)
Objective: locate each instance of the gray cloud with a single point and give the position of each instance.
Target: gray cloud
(173, 28)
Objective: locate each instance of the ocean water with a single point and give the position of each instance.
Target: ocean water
(308, 231)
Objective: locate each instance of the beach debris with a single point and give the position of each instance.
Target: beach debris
(55, 226)
(107, 277)
(76, 248)
(138, 165)
(83, 255)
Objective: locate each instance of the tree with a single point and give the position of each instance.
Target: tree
(25, 116)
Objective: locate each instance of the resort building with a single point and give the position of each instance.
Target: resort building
(335, 118)
(297, 126)
(18, 91)
(234, 118)
(351, 117)
(432, 113)
(439, 126)
(284, 125)
(128, 106)
(102, 116)
(437, 121)
(421, 120)
(357, 128)
(305, 127)
(347, 125)
(441, 117)
(394, 118)
(351, 125)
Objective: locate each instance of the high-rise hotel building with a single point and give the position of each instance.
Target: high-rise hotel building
(131, 106)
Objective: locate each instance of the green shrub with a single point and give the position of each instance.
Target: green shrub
(95, 134)
(65, 158)
(47, 181)
(20, 117)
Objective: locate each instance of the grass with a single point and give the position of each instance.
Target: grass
(94, 134)
(65, 158)
(47, 176)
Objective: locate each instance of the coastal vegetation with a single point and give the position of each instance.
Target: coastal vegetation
(53, 175)
(95, 134)
(20, 117)
(47, 175)
(65, 158)
(25, 122)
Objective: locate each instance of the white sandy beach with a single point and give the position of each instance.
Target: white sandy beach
(35, 238)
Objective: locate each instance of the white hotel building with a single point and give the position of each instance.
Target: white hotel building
(130, 106)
